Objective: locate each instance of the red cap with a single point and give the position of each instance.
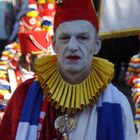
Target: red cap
(69, 10)
(34, 41)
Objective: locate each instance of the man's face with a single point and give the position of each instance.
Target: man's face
(75, 44)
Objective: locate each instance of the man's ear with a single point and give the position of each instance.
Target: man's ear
(97, 46)
(54, 44)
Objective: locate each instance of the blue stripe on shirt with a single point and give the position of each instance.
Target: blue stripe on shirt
(31, 107)
(109, 125)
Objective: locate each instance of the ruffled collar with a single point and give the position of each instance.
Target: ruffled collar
(69, 98)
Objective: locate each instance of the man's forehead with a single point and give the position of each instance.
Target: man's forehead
(75, 26)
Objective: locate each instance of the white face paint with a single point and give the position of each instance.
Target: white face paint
(75, 43)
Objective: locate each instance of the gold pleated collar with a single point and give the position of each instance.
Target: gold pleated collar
(69, 98)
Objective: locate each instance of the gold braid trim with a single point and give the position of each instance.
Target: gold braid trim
(69, 98)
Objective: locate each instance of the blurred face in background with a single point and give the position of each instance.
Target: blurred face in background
(28, 61)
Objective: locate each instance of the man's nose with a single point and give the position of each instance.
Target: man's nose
(73, 45)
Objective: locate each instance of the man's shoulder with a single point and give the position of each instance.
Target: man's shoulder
(19, 95)
(22, 89)
(113, 95)
(26, 84)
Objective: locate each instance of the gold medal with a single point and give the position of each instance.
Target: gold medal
(65, 124)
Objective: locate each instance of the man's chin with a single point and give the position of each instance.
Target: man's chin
(72, 69)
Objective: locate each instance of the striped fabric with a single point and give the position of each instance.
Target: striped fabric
(42, 116)
(132, 75)
(134, 64)
(133, 79)
(115, 121)
(109, 119)
(28, 125)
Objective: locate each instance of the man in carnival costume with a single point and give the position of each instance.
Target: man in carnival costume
(73, 97)
(33, 44)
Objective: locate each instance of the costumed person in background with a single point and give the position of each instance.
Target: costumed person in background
(72, 97)
(30, 18)
(33, 44)
(133, 80)
(27, 19)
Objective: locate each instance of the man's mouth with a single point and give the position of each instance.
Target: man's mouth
(73, 57)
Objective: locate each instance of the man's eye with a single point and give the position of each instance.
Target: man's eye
(82, 38)
(64, 37)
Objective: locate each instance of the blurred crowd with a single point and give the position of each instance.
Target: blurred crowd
(25, 35)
